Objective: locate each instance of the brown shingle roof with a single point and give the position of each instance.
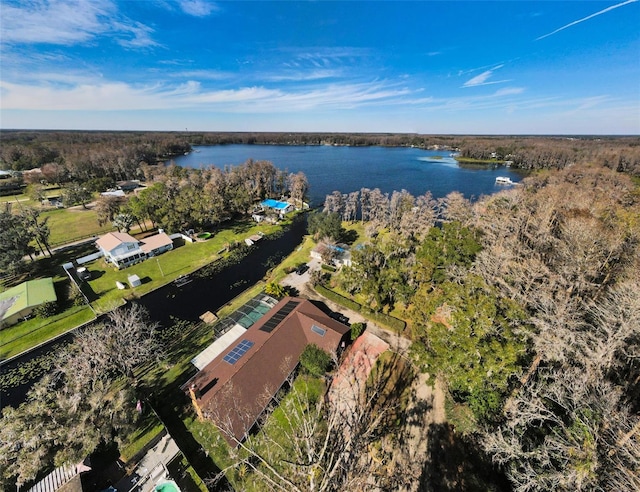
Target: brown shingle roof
(235, 395)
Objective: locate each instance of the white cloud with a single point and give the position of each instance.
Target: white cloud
(198, 8)
(482, 78)
(70, 22)
(509, 91)
(109, 96)
(200, 74)
(138, 35)
(63, 22)
(571, 24)
(302, 75)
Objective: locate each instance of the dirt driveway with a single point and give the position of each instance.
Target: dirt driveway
(426, 403)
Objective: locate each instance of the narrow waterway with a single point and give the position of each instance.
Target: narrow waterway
(206, 292)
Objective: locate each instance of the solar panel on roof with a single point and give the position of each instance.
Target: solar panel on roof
(277, 318)
(238, 351)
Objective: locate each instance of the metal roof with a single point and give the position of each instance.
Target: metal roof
(28, 295)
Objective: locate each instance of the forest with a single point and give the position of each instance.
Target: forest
(526, 305)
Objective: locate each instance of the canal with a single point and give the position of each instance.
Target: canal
(209, 290)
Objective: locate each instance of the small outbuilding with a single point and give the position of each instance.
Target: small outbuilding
(24, 298)
(134, 280)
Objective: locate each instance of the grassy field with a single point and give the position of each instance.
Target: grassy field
(469, 160)
(154, 272)
(68, 224)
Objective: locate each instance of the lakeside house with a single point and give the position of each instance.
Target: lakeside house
(336, 254)
(24, 298)
(123, 250)
(236, 387)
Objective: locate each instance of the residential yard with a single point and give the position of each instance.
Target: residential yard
(69, 224)
(154, 272)
(158, 271)
(271, 440)
(32, 332)
(27, 334)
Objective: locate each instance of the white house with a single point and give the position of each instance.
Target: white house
(121, 249)
(341, 256)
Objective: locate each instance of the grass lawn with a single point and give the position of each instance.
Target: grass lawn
(27, 334)
(459, 415)
(66, 225)
(21, 198)
(470, 160)
(274, 431)
(162, 269)
(140, 441)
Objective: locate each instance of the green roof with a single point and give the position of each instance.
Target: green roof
(29, 294)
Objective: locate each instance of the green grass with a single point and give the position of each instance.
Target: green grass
(66, 225)
(27, 334)
(158, 271)
(459, 415)
(274, 430)
(470, 160)
(147, 431)
(240, 299)
(23, 199)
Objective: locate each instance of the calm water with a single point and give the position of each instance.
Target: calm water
(204, 293)
(348, 169)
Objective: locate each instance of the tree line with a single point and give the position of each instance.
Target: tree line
(88, 399)
(18, 233)
(85, 156)
(180, 199)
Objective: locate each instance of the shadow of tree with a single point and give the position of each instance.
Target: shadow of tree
(201, 462)
(456, 463)
(349, 236)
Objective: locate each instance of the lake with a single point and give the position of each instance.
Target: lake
(348, 169)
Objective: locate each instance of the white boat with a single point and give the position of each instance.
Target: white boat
(504, 180)
(182, 280)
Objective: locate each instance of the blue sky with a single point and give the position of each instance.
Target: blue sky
(501, 67)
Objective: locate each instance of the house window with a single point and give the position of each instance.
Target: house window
(318, 330)
(131, 247)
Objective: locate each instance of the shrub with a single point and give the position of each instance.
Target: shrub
(357, 329)
(47, 309)
(395, 324)
(315, 361)
(275, 289)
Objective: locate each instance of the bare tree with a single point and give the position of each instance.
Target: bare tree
(298, 187)
(324, 444)
(106, 208)
(456, 207)
(125, 340)
(566, 431)
(351, 206)
(82, 402)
